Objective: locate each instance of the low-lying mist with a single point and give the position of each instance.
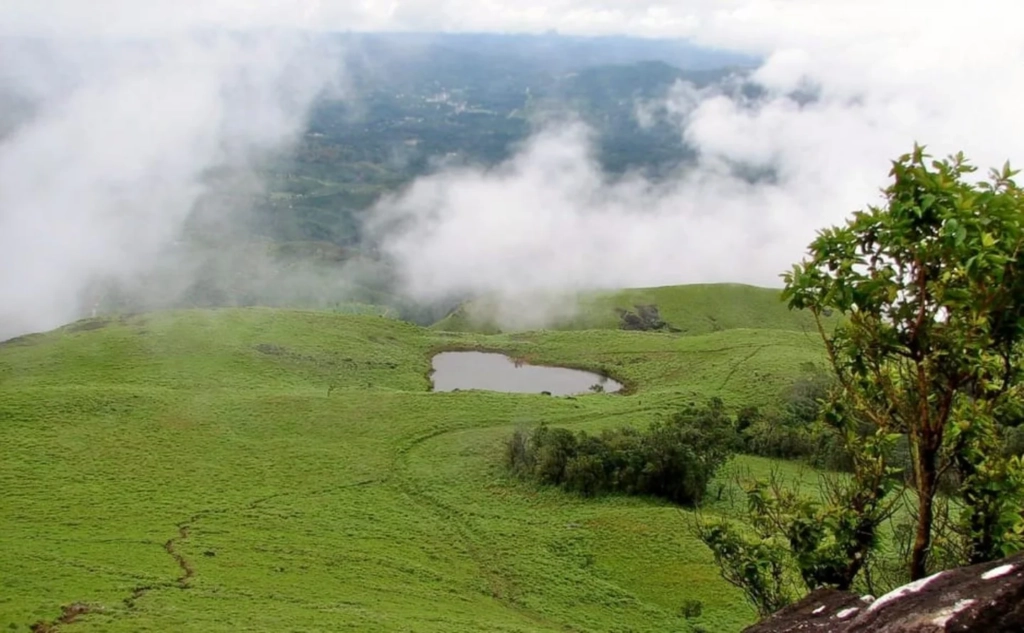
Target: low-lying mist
(113, 151)
(130, 167)
(799, 144)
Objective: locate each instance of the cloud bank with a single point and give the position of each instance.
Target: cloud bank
(103, 154)
(845, 89)
(587, 17)
(114, 144)
(757, 26)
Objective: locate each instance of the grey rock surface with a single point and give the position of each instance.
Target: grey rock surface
(986, 598)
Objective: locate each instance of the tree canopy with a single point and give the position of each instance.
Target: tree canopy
(931, 286)
(926, 355)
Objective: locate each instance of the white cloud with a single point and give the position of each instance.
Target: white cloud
(120, 145)
(106, 170)
(549, 221)
(645, 17)
(885, 75)
(749, 25)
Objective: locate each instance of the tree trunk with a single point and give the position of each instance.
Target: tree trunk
(927, 476)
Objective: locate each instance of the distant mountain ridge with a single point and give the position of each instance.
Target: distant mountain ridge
(560, 52)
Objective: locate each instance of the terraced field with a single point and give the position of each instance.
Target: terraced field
(262, 470)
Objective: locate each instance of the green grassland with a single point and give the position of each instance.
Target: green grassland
(692, 309)
(271, 470)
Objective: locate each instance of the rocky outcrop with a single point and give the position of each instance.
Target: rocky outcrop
(987, 598)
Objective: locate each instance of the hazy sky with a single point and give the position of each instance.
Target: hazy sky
(107, 170)
(760, 25)
(568, 16)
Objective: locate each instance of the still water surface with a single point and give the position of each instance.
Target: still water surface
(497, 372)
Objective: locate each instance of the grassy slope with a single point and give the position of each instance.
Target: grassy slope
(694, 309)
(190, 472)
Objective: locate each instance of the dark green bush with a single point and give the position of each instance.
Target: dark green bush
(784, 436)
(793, 428)
(673, 459)
(691, 609)
(803, 399)
(775, 436)
(552, 450)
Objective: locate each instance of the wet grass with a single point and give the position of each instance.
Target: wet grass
(261, 470)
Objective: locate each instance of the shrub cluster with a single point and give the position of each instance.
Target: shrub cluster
(673, 459)
(645, 319)
(792, 428)
(784, 437)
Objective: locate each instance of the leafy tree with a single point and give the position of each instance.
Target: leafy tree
(756, 564)
(931, 288)
(825, 542)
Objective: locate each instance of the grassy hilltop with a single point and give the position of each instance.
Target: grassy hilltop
(693, 309)
(271, 470)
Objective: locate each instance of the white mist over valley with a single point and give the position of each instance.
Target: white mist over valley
(122, 137)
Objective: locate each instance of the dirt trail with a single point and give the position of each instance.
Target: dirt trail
(72, 612)
(187, 571)
(69, 613)
(137, 593)
(740, 363)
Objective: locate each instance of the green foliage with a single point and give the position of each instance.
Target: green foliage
(793, 429)
(1014, 441)
(757, 566)
(783, 437)
(826, 540)
(926, 356)
(991, 488)
(673, 459)
(932, 290)
(803, 400)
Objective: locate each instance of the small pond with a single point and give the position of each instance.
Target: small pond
(497, 372)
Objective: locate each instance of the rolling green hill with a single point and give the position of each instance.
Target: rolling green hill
(264, 470)
(691, 309)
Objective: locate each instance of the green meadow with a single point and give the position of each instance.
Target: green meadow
(273, 470)
(692, 309)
